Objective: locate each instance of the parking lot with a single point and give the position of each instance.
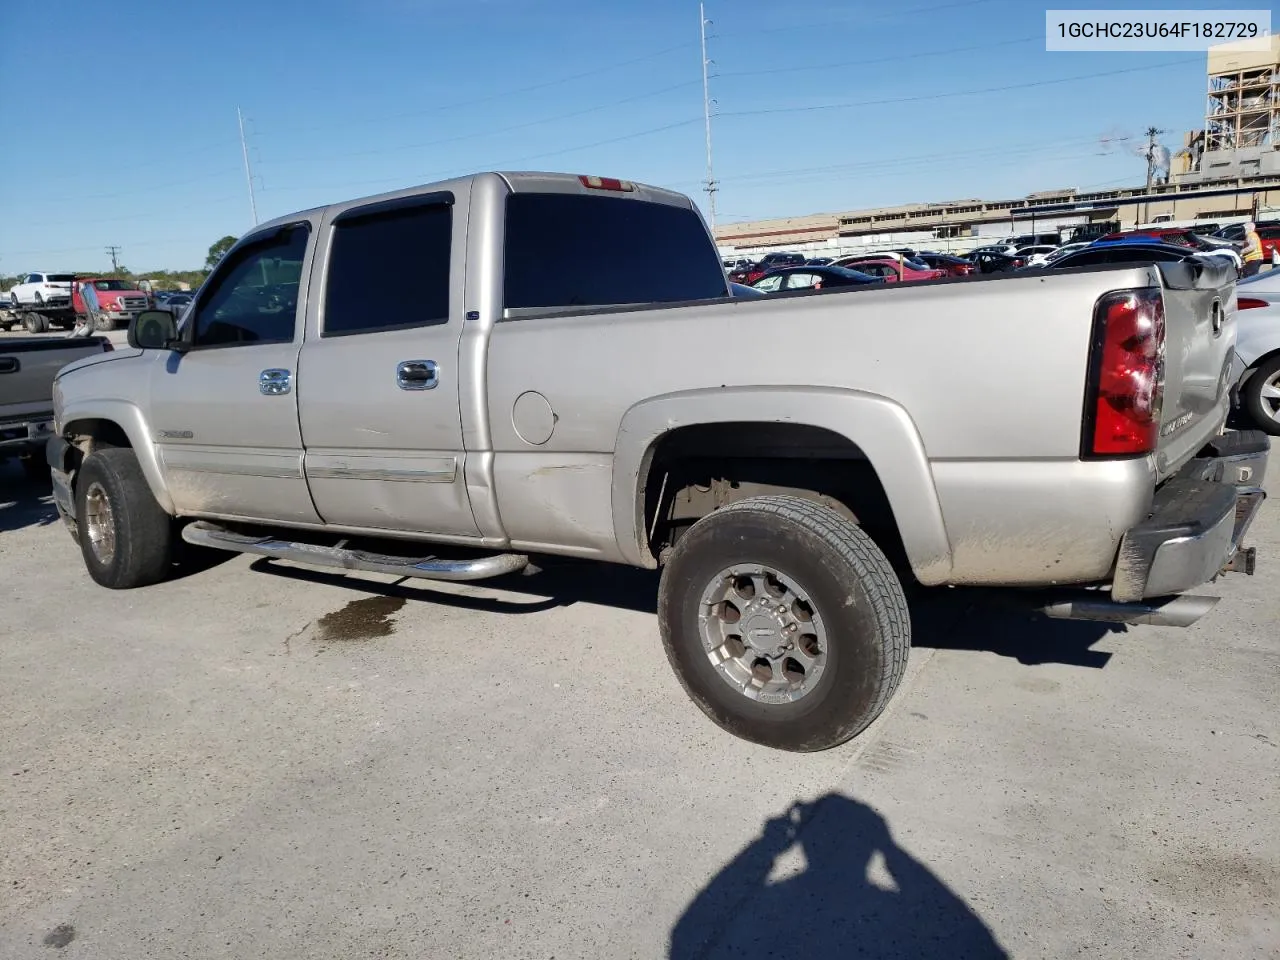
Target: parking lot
(261, 760)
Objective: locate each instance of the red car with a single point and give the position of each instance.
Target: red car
(891, 269)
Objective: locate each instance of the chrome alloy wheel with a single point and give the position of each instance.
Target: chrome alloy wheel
(762, 633)
(99, 524)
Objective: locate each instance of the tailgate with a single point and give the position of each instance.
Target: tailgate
(27, 369)
(1200, 336)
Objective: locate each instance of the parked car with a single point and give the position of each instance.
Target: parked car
(732, 264)
(1258, 348)
(819, 261)
(1002, 249)
(891, 268)
(812, 278)
(28, 366)
(598, 395)
(1123, 252)
(41, 289)
(119, 301)
(1035, 255)
(992, 261)
(1198, 249)
(773, 261)
(175, 303)
(1051, 239)
(951, 265)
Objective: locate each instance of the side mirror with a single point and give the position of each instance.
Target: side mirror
(152, 330)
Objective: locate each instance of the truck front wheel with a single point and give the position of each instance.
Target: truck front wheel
(784, 622)
(125, 537)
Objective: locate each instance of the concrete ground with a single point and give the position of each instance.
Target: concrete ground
(261, 761)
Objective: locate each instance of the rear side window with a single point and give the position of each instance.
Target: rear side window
(568, 250)
(389, 270)
(60, 277)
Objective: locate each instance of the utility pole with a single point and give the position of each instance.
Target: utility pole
(248, 171)
(114, 253)
(706, 113)
(1152, 133)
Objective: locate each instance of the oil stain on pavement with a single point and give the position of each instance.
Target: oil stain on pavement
(366, 619)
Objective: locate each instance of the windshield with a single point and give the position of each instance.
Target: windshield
(113, 285)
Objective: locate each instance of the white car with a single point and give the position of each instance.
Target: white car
(1035, 256)
(41, 288)
(1258, 349)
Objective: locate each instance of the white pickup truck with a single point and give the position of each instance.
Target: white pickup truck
(562, 370)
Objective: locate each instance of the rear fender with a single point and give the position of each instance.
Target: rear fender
(879, 427)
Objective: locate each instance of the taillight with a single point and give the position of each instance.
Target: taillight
(1250, 303)
(607, 183)
(1126, 382)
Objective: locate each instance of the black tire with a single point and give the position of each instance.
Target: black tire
(1254, 403)
(852, 589)
(35, 322)
(142, 531)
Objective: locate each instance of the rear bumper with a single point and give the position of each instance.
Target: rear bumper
(24, 436)
(1197, 523)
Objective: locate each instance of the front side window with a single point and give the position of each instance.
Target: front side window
(389, 270)
(253, 296)
(572, 250)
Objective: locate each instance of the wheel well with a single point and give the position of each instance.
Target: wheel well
(696, 470)
(1261, 360)
(87, 434)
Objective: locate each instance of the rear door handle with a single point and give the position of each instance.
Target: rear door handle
(275, 383)
(9, 365)
(418, 375)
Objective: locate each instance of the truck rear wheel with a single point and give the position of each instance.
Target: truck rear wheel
(125, 537)
(784, 622)
(35, 322)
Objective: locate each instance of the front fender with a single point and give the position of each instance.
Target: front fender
(129, 418)
(878, 426)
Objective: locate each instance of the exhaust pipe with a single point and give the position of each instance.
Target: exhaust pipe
(1169, 612)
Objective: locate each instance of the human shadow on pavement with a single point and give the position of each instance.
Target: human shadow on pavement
(858, 894)
(24, 501)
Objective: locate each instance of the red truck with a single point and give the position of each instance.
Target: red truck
(119, 301)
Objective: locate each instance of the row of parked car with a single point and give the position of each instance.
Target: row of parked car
(1258, 299)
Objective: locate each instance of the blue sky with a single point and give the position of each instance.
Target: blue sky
(130, 138)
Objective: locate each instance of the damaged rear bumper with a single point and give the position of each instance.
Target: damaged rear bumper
(1198, 522)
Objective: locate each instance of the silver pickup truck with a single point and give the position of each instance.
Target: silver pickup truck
(27, 368)
(561, 370)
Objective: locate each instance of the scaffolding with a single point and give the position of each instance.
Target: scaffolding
(1244, 99)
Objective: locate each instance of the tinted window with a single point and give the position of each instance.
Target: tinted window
(389, 270)
(253, 296)
(567, 250)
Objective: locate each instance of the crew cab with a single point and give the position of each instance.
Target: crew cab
(119, 301)
(564, 372)
(41, 289)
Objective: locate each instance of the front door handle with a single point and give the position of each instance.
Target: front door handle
(9, 365)
(418, 375)
(275, 383)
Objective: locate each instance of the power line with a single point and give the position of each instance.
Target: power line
(896, 58)
(958, 93)
(114, 253)
(861, 19)
(710, 186)
(248, 171)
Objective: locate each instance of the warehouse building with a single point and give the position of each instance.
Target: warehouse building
(1227, 171)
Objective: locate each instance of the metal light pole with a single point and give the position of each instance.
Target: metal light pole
(248, 171)
(710, 186)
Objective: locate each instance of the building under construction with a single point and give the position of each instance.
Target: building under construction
(1228, 170)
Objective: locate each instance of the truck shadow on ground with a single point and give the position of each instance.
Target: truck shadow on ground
(851, 891)
(941, 619)
(24, 502)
